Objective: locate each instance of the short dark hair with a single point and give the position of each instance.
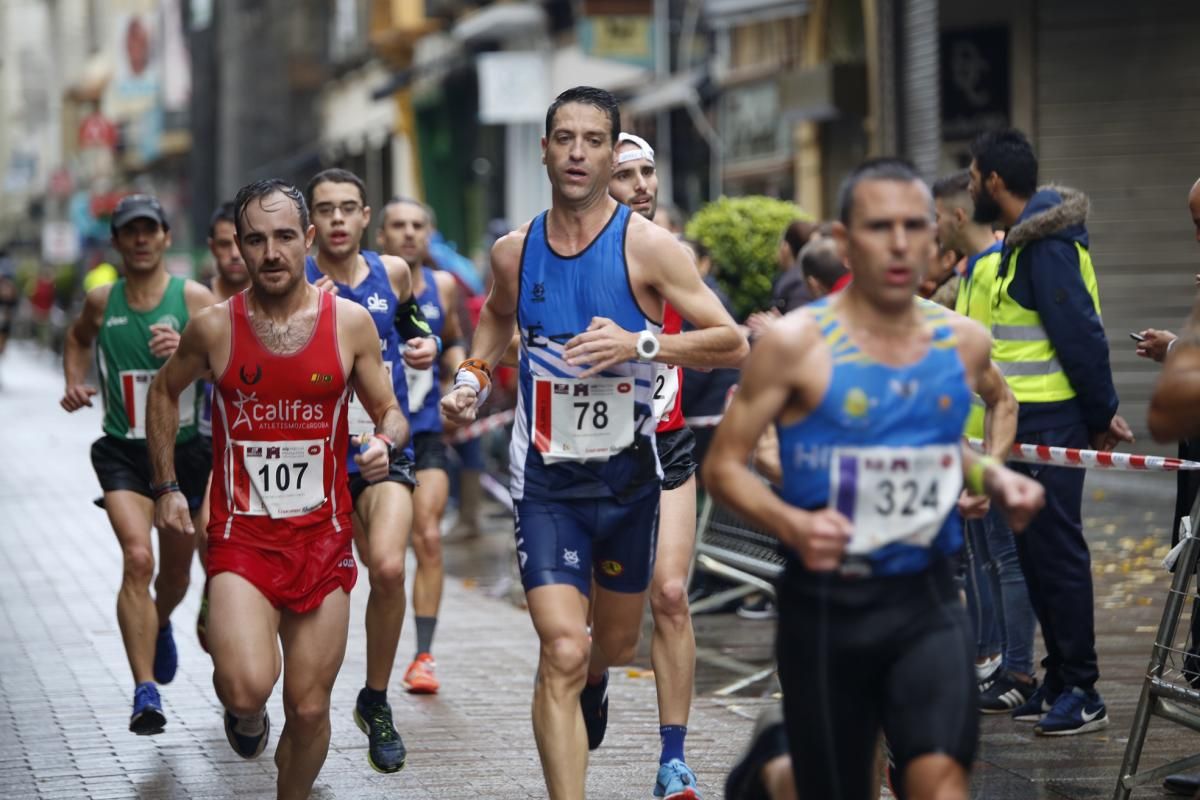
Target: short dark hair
(224, 213)
(409, 201)
(590, 96)
(264, 188)
(952, 185)
(698, 248)
(797, 235)
(335, 175)
(873, 169)
(820, 261)
(1009, 154)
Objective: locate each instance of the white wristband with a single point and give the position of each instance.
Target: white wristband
(464, 377)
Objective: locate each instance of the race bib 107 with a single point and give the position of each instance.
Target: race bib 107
(278, 479)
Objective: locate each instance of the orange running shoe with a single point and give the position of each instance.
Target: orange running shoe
(420, 677)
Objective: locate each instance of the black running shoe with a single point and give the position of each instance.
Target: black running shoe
(593, 700)
(385, 750)
(248, 735)
(1005, 693)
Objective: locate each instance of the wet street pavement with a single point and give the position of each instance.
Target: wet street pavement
(65, 685)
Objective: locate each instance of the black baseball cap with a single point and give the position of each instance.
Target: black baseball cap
(138, 206)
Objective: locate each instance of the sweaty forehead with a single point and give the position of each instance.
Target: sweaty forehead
(874, 198)
(582, 117)
(406, 212)
(270, 212)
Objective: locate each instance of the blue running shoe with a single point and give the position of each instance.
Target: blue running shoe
(248, 735)
(1075, 711)
(166, 657)
(385, 748)
(147, 718)
(676, 781)
(1036, 707)
(593, 701)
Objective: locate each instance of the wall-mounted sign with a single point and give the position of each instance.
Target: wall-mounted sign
(975, 86)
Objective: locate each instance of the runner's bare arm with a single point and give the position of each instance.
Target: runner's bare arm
(1173, 406)
(1000, 420)
(669, 269)
(186, 365)
(820, 537)
(497, 322)
(420, 348)
(77, 349)
(454, 346)
(357, 334)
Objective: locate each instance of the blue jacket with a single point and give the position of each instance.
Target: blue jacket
(1048, 280)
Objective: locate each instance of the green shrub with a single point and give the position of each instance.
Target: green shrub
(743, 234)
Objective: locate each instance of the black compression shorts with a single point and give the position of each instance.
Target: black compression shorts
(856, 657)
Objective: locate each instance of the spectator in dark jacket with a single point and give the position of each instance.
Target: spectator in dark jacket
(1050, 345)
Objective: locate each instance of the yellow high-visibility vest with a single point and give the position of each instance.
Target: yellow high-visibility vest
(1021, 348)
(975, 301)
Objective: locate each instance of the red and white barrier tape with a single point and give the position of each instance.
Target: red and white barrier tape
(481, 426)
(1092, 459)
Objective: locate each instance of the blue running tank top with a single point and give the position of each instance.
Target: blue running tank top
(375, 294)
(427, 416)
(557, 300)
(876, 406)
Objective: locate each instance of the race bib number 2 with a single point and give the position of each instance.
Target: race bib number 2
(666, 387)
(582, 420)
(895, 494)
(278, 479)
(135, 387)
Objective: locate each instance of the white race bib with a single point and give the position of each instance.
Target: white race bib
(135, 386)
(582, 419)
(358, 420)
(420, 384)
(278, 479)
(666, 387)
(895, 494)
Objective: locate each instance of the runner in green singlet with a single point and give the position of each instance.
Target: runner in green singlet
(136, 323)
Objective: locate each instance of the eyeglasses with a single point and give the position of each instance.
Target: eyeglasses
(348, 209)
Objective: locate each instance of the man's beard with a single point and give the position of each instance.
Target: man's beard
(987, 210)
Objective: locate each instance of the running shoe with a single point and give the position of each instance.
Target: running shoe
(593, 701)
(1075, 711)
(987, 668)
(420, 677)
(385, 750)
(147, 718)
(1036, 707)
(768, 741)
(248, 735)
(166, 657)
(676, 781)
(202, 620)
(1004, 693)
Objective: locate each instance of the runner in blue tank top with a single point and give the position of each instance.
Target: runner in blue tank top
(405, 232)
(585, 284)
(869, 391)
(382, 510)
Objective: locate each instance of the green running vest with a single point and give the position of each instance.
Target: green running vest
(127, 366)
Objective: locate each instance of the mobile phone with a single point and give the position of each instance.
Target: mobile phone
(1137, 337)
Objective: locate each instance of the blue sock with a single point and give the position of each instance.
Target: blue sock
(672, 742)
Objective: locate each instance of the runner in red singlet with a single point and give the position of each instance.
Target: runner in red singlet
(285, 355)
(673, 648)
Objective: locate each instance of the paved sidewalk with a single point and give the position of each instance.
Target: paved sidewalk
(65, 686)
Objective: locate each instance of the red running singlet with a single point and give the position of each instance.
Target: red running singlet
(280, 437)
(672, 420)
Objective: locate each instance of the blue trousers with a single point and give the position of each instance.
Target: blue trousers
(996, 595)
(1058, 567)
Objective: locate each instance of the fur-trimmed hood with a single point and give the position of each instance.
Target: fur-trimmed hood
(1053, 212)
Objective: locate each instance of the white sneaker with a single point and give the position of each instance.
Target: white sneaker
(984, 670)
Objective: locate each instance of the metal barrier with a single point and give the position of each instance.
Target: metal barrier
(728, 547)
(1167, 691)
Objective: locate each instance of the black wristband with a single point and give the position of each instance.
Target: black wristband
(164, 488)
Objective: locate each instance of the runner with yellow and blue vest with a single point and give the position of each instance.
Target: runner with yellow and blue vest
(1049, 342)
